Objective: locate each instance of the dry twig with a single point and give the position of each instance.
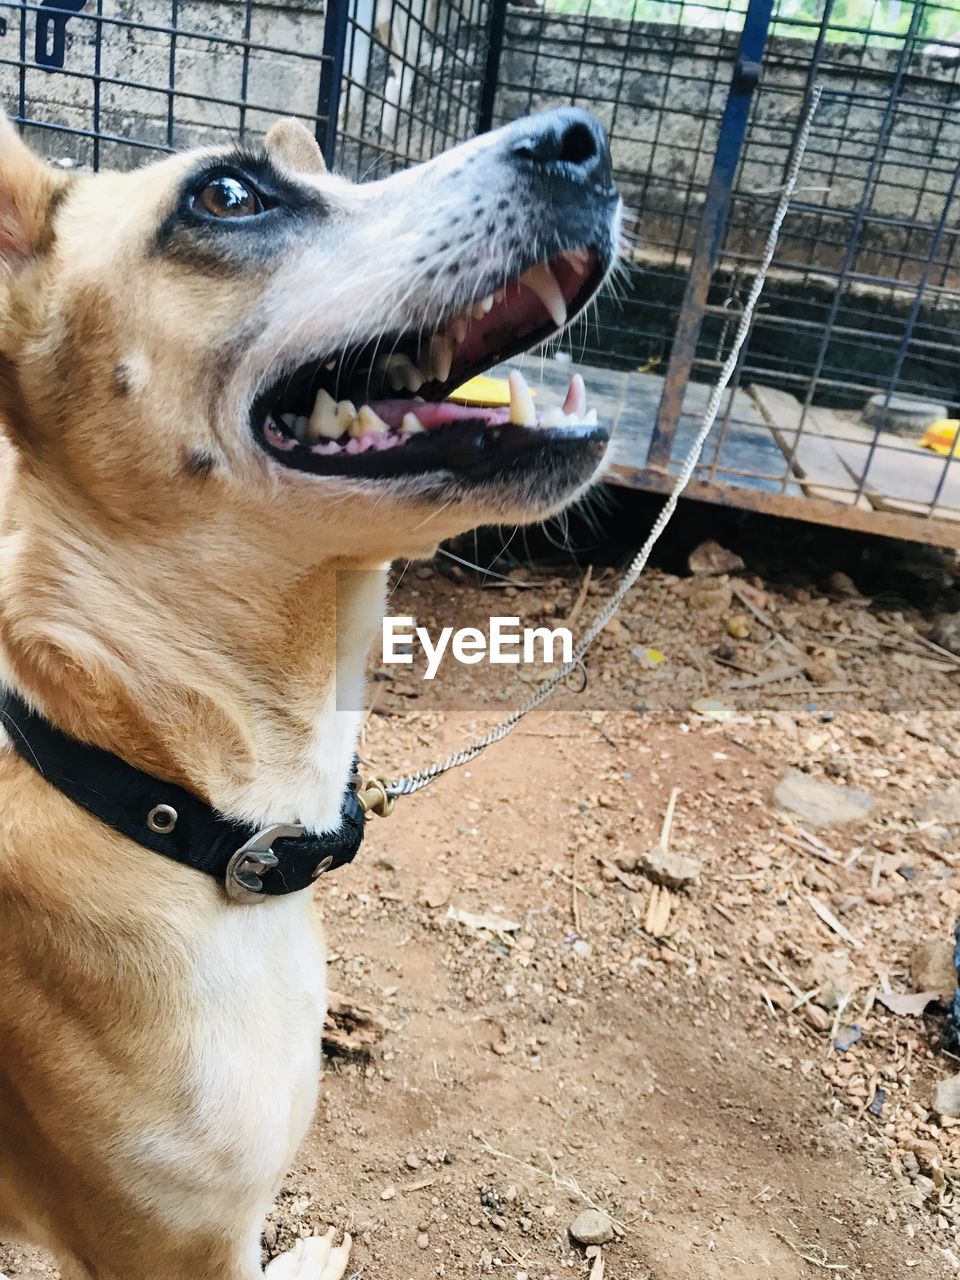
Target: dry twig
(574, 613)
(808, 1257)
(831, 921)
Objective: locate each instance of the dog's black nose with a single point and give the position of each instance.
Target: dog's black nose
(567, 143)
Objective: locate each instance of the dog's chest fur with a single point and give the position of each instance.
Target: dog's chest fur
(256, 1000)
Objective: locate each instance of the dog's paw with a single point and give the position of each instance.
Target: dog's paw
(315, 1258)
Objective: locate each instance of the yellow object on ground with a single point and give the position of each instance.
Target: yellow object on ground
(943, 437)
(489, 393)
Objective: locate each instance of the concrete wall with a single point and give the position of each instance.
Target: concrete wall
(429, 103)
(661, 90)
(282, 73)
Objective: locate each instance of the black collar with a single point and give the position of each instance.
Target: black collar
(249, 862)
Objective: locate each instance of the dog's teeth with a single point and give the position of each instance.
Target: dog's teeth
(289, 420)
(544, 284)
(483, 307)
(500, 294)
(441, 358)
(346, 416)
(522, 412)
(323, 423)
(299, 427)
(388, 369)
(579, 259)
(576, 401)
(567, 417)
(411, 425)
(413, 378)
(367, 422)
(400, 371)
(458, 330)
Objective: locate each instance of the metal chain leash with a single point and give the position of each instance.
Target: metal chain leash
(379, 795)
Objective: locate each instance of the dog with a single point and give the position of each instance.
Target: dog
(224, 412)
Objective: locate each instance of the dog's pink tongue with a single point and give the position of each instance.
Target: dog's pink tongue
(431, 415)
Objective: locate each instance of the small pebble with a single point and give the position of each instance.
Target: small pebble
(817, 1018)
(411, 1161)
(946, 1098)
(738, 626)
(423, 1241)
(388, 1193)
(882, 896)
(592, 1226)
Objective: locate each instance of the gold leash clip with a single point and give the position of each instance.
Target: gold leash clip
(374, 797)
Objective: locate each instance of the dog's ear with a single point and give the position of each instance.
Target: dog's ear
(293, 146)
(28, 192)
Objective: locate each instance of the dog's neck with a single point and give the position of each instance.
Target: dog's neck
(235, 671)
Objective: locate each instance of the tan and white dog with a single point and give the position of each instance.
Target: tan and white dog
(222, 390)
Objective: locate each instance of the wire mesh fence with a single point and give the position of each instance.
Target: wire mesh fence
(413, 74)
(864, 297)
(103, 82)
(863, 302)
(381, 82)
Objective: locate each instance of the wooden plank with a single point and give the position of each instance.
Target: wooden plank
(911, 528)
(918, 508)
(900, 475)
(815, 461)
(905, 475)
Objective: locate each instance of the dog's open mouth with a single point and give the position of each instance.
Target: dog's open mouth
(382, 409)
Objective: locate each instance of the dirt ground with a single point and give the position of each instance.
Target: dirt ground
(711, 1064)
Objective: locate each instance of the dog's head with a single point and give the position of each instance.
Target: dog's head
(242, 323)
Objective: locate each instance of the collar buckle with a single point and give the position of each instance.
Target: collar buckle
(252, 860)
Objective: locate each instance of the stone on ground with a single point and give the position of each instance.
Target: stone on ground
(942, 806)
(592, 1226)
(946, 1097)
(932, 969)
(710, 557)
(673, 870)
(819, 803)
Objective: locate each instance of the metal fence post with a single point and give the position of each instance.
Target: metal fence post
(491, 74)
(331, 76)
(713, 221)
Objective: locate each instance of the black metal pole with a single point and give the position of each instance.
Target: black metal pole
(491, 73)
(331, 77)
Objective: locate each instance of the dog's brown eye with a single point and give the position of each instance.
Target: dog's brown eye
(227, 197)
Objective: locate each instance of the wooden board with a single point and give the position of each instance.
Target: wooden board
(833, 451)
(813, 459)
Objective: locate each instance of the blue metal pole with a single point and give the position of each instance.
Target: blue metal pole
(713, 222)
